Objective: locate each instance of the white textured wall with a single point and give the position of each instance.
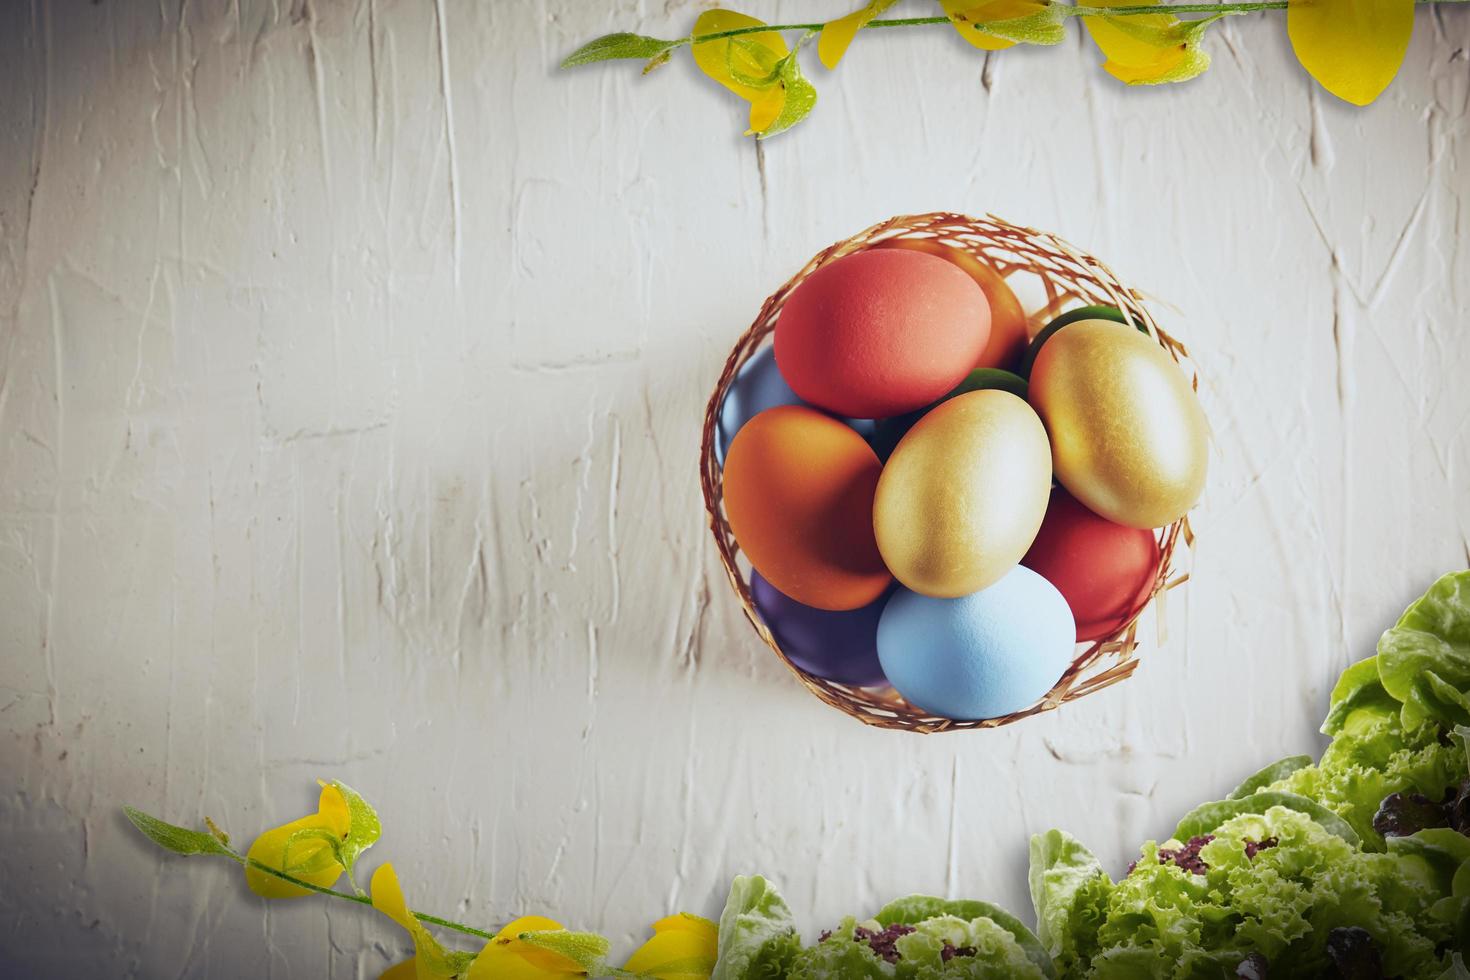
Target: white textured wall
(351, 367)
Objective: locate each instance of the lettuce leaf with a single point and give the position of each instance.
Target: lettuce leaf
(915, 909)
(990, 951)
(1424, 661)
(1272, 773)
(1069, 891)
(757, 938)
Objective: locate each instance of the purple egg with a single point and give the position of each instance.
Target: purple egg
(838, 646)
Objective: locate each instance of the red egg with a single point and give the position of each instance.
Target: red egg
(1105, 571)
(881, 332)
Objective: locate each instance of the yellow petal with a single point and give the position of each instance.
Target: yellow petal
(407, 970)
(746, 65)
(1146, 49)
(310, 860)
(507, 947)
(837, 34)
(505, 963)
(683, 947)
(332, 807)
(430, 960)
(963, 13)
(1352, 47)
(388, 897)
(765, 109)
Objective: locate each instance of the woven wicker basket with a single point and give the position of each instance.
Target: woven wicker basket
(1068, 277)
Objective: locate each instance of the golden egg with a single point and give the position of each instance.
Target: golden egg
(963, 494)
(1128, 437)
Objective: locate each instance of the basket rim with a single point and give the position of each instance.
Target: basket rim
(1096, 665)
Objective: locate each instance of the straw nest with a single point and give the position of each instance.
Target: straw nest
(1067, 277)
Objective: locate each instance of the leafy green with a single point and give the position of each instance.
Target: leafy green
(917, 908)
(757, 933)
(587, 949)
(840, 955)
(801, 96)
(1424, 661)
(1069, 891)
(610, 47)
(1204, 818)
(363, 829)
(1270, 774)
(1281, 901)
(180, 840)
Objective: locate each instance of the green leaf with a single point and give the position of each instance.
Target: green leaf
(587, 949)
(801, 96)
(320, 858)
(612, 47)
(1270, 774)
(1045, 27)
(1424, 661)
(915, 909)
(1069, 891)
(180, 840)
(1358, 696)
(363, 828)
(1206, 817)
(755, 918)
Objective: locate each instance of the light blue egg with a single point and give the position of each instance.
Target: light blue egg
(980, 656)
(758, 385)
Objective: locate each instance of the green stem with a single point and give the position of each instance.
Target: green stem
(359, 899)
(1249, 7)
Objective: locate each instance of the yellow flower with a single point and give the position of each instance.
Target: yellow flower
(683, 947)
(430, 960)
(964, 13)
(758, 67)
(837, 35)
(508, 957)
(1352, 47)
(1148, 49)
(305, 849)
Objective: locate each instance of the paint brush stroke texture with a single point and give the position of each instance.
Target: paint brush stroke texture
(351, 368)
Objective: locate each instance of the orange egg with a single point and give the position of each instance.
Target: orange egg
(1008, 337)
(798, 490)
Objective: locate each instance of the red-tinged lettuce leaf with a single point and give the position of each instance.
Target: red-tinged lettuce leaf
(915, 909)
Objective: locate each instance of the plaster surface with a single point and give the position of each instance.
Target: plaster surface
(351, 368)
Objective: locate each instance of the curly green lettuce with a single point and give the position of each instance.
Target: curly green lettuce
(1274, 885)
(941, 947)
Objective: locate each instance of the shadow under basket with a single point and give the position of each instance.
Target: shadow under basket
(1066, 277)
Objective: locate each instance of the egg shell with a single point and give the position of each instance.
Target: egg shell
(757, 386)
(1105, 571)
(838, 646)
(798, 489)
(888, 432)
(1008, 330)
(963, 495)
(1128, 436)
(982, 655)
(881, 332)
(1071, 316)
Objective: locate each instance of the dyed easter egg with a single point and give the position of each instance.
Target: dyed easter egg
(881, 332)
(887, 432)
(962, 497)
(798, 489)
(1007, 319)
(1105, 571)
(757, 386)
(1071, 316)
(839, 646)
(982, 655)
(1128, 437)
